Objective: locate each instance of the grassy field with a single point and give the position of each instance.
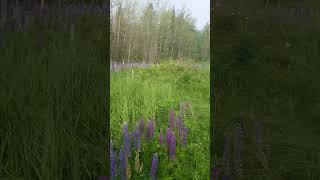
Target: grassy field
(53, 99)
(150, 93)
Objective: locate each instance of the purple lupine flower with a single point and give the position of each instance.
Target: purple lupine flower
(237, 149)
(112, 162)
(123, 163)
(179, 125)
(171, 120)
(184, 136)
(161, 138)
(168, 137)
(137, 138)
(150, 130)
(141, 125)
(127, 138)
(214, 174)
(226, 154)
(153, 171)
(172, 148)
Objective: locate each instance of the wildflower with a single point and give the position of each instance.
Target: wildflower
(154, 166)
(112, 162)
(184, 136)
(168, 137)
(171, 120)
(137, 138)
(150, 130)
(172, 146)
(161, 137)
(123, 163)
(127, 138)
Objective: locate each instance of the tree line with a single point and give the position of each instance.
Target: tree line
(155, 31)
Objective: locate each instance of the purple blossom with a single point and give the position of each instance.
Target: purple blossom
(112, 162)
(168, 137)
(161, 138)
(172, 148)
(127, 138)
(184, 136)
(123, 163)
(153, 171)
(171, 120)
(137, 138)
(150, 130)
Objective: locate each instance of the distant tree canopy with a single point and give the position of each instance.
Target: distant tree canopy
(155, 31)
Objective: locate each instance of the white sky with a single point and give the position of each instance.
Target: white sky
(200, 10)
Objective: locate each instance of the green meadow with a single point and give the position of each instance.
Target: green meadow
(150, 93)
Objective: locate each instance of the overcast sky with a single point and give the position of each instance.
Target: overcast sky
(200, 10)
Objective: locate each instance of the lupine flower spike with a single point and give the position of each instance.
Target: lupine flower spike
(168, 137)
(184, 136)
(123, 163)
(112, 162)
(137, 138)
(172, 149)
(126, 138)
(153, 171)
(150, 130)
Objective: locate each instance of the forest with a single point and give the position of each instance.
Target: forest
(154, 30)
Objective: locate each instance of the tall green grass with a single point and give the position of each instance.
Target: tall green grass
(150, 93)
(258, 77)
(52, 94)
